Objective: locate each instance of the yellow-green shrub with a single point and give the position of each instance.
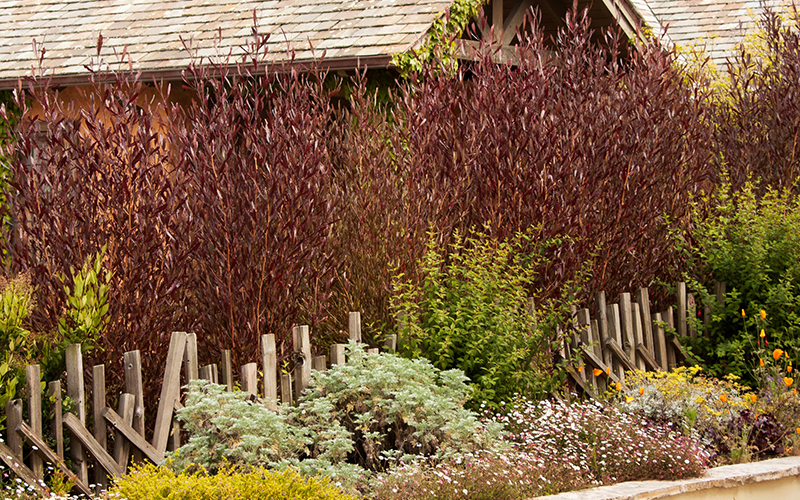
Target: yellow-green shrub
(151, 482)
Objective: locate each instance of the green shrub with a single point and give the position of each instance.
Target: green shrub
(16, 300)
(753, 245)
(150, 482)
(470, 311)
(354, 418)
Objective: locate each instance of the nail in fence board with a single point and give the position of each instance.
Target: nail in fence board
(98, 404)
(54, 392)
(44, 452)
(354, 326)
(122, 447)
(33, 378)
(226, 369)
(269, 363)
(76, 391)
(302, 358)
(190, 358)
(286, 388)
(170, 390)
(103, 458)
(337, 354)
(134, 437)
(249, 378)
(134, 386)
(681, 319)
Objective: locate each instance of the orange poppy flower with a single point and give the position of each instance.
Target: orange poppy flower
(608, 370)
(763, 334)
(788, 381)
(580, 368)
(743, 313)
(641, 391)
(761, 362)
(619, 386)
(763, 314)
(724, 398)
(776, 354)
(597, 372)
(789, 369)
(753, 398)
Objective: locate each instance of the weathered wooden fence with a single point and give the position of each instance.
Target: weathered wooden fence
(624, 336)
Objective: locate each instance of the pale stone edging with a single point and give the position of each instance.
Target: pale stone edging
(729, 476)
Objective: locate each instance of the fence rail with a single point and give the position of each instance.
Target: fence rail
(624, 336)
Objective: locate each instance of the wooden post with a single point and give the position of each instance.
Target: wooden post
(76, 392)
(373, 350)
(98, 405)
(170, 390)
(174, 441)
(615, 332)
(190, 358)
(269, 363)
(54, 392)
(497, 20)
(302, 366)
(122, 447)
(318, 363)
(643, 299)
(286, 388)
(204, 373)
(691, 315)
(626, 322)
(660, 341)
(587, 338)
(214, 374)
(354, 326)
(390, 344)
(337, 354)
(681, 320)
(638, 337)
(227, 370)
(602, 317)
(669, 319)
(13, 418)
(249, 378)
(33, 377)
(133, 386)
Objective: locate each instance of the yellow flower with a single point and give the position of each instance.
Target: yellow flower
(628, 399)
(776, 354)
(597, 372)
(761, 362)
(724, 398)
(743, 313)
(763, 334)
(763, 314)
(641, 391)
(788, 381)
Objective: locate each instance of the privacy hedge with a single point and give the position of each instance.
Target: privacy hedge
(265, 200)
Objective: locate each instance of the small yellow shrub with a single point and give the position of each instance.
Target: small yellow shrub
(151, 482)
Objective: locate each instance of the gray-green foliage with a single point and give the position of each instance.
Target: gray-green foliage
(354, 418)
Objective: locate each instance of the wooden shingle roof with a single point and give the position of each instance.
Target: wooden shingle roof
(352, 32)
(716, 26)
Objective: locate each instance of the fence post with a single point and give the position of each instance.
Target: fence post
(54, 392)
(354, 326)
(33, 378)
(134, 386)
(190, 358)
(170, 390)
(269, 363)
(337, 354)
(98, 405)
(76, 392)
(681, 320)
(286, 388)
(227, 370)
(122, 453)
(249, 378)
(13, 418)
(302, 362)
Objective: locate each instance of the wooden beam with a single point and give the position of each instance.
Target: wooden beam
(514, 20)
(44, 452)
(134, 437)
(19, 468)
(497, 20)
(90, 443)
(170, 390)
(620, 354)
(644, 354)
